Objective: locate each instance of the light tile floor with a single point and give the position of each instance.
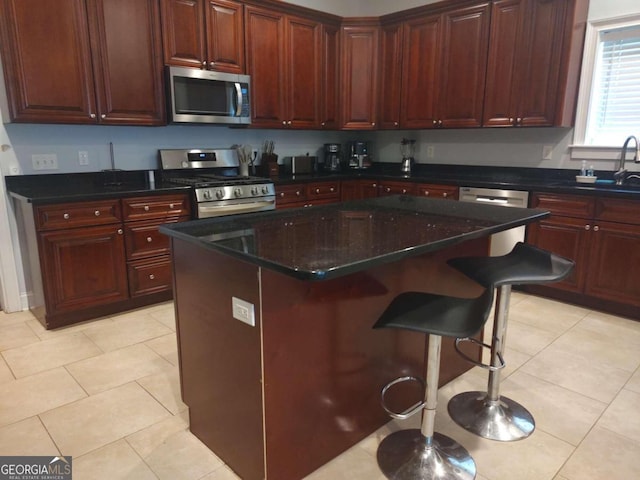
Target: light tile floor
(107, 392)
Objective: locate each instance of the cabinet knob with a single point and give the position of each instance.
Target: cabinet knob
(388, 189)
(298, 193)
(373, 124)
(587, 227)
(374, 185)
(519, 121)
(395, 124)
(332, 189)
(511, 121)
(66, 216)
(322, 124)
(444, 194)
(171, 205)
(204, 63)
(149, 239)
(120, 232)
(317, 190)
(439, 123)
(404, 190)
(435, 123)
(212, 64)
(596, 228)
(104, 115)
(97, 213)
(426, 193)
(152, 276)
(93, 115)
(284, 122)
(146, 208)
(289, 122)
(281, 194)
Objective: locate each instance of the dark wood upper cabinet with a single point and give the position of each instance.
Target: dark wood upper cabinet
(127, 61)
(330, 73)
(359, 79)
(390, 76)
(83, 62)
(534, 60)
(204, 34)
(444, 64)
(284, 60)
(264, 36)
(52, 84)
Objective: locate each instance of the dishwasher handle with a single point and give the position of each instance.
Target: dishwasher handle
(494, 200)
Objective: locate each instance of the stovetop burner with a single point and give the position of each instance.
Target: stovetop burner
(213, 180)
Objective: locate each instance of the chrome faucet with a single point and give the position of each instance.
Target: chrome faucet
(621, 174)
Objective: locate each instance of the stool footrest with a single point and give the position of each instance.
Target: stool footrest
(411, 410)
(476, 362)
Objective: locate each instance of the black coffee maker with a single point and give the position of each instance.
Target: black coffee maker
(332, 157)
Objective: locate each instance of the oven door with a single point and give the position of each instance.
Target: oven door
(235, 207)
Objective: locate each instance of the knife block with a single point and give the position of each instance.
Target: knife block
(269, 164)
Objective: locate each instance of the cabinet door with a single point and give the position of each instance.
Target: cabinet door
(501, 96)
(540, 57)
(463, 66)
(358, 189)
(302, 89)
(329, 106)
(127, 53)
(83, 267)
(420, 84)
(390, 76)
(359, 77)
(614, 264)
(568, 237)
(225, 36)
(47, 61)
(264, 37)
(183, 32)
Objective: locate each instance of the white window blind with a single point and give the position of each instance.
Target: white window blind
(614, 107)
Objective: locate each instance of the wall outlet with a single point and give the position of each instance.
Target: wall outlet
(83, 157)
(45, 161)
(243, 311)
(547, 152)
(431, 151)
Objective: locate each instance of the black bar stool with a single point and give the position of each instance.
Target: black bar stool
(488, 414)
(424, 454)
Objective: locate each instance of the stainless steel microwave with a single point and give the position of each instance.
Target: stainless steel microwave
(203, 96)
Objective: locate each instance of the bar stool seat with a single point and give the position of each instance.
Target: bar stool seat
(488, 414)
(422, 453)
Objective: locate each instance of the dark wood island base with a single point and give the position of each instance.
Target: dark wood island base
(279, 399)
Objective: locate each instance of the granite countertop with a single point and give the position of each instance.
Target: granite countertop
(74, 187)
(325, 242)
(508, 178)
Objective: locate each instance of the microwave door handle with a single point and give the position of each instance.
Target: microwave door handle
(239, 99)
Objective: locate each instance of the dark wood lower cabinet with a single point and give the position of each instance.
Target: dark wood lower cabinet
(602, 235)
(88, 259)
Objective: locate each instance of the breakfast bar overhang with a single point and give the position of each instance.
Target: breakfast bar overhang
(279, 365)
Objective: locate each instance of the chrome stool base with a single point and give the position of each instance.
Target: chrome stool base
(405, 455)
(503, 420)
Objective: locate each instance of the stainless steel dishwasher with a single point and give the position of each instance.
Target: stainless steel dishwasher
(503, 242)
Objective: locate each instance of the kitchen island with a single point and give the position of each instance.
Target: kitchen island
(279, 365)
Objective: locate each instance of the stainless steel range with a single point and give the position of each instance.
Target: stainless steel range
(217, 186)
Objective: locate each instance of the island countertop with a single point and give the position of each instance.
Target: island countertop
(325, 242)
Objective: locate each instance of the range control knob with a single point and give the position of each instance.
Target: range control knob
(265, 189)
(237, 192)
(255, 191)
(207, 194)
(219, 194)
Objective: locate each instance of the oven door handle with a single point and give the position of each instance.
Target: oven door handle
(218, 210)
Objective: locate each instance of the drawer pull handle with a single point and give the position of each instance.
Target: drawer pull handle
(146, 208)
(152, 276)
(66, 216)
(149, 239)
(120, 232)
(97, 213)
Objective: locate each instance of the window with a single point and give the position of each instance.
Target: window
(609, 102)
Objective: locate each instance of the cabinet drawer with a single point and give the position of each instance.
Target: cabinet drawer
(80, 214)
(290, 193)
(396, 188)
(618, 210)
(567, 205)
(323, 190)
(437, 191)
(143, 239)
(149, 276)
(159, 206)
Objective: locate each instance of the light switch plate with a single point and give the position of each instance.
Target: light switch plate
(243, 311)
